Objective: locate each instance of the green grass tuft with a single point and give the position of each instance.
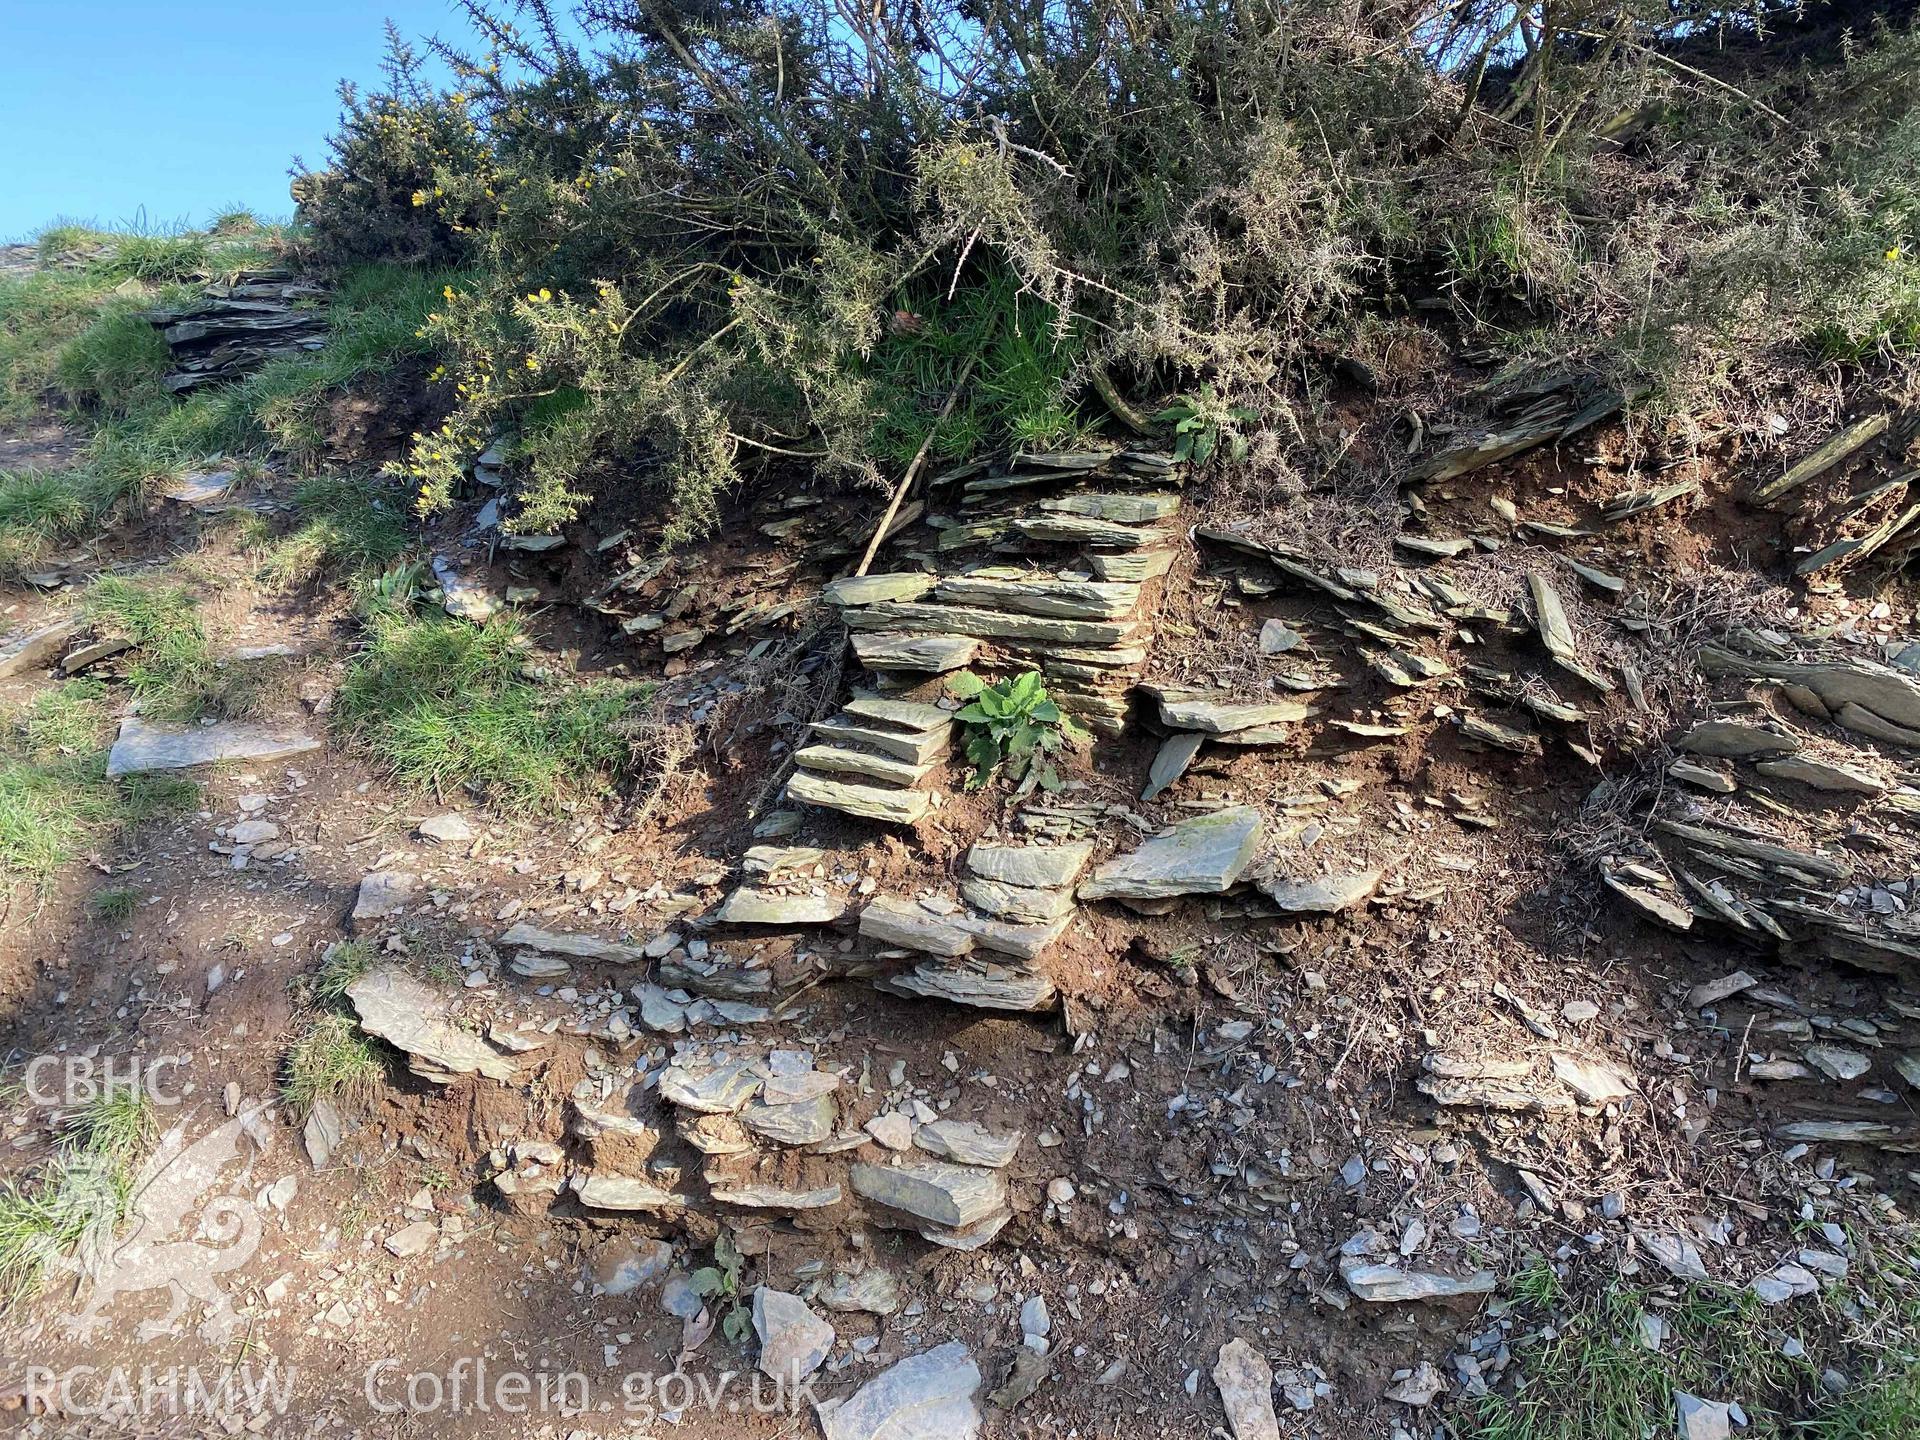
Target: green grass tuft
(345, 962)
(118, 361)
(85, 1190)
(113, 907)
(45, 1216)
(347, 527)
(445, 704)
(117, 1124)
(1586, 1376)
(173, 670)
(54, 791)
(332, 1060)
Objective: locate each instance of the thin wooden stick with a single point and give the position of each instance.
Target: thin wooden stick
(913, 466)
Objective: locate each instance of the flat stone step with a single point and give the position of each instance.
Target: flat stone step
(865, 589)
(1117, 657)
(1075, 461)
(142, 747)
(1021, 903)
(1201, 856)
(1137, 566)
(832, 759)
(1080, 530)
(1124, 509)
(1034, 866)
(904, 715)
(991, 624)
(870, 802)
(1221, 715)
(36, 649)
(622, 1192)
(1014, 480)
(750, 905)
(1063, 599)
(912, 925)
(977, 983)
(916, 749)
(921, 654)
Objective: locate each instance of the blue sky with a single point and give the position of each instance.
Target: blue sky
(109, 106)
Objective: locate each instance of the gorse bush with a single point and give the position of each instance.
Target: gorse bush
(705, 240)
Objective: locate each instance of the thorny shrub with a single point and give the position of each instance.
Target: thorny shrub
(717, 237)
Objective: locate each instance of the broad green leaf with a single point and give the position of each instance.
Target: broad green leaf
(706, 1280)
(966, 684)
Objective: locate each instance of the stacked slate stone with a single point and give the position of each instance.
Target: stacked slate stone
(870, 760)
(235, 329)
(772, 1138)
(1077, 537)
(1791, 825)
(980, 950)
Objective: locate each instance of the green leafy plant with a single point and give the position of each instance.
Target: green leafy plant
(1015, 723)
(720, 1282)
(1201, 419)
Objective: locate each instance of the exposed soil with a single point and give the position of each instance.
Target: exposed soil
(1216, 1174)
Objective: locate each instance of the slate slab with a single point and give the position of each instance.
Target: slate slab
(142, 747)
(1201, 856)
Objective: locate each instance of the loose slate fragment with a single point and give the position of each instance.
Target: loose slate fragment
(1667, 910)
(1638, 502)
(1599, 579)
(1550, 617)
(1328, 896)
(1170, 762)
(724, 1090)
(1836, 449)
(1487, 731)
(1389, 1284)
(1678, 1255)
(1822, 775)
(1595, 1082)
(1735, 740)
(1245, 1381)
(950, 1195)
(966, 1143)
(1201, 856)
(410, 1016)
(923, 1397)
(1434, 549)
